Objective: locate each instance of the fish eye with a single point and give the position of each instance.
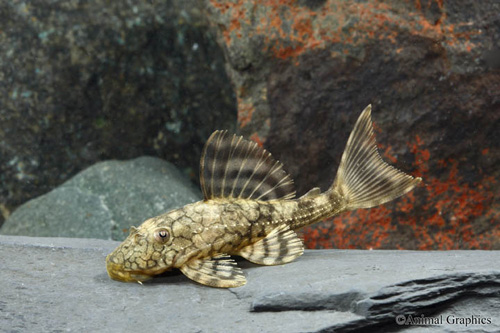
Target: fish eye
(161, 235)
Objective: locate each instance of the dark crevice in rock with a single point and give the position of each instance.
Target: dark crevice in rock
(409, 297)
(388, 324)
(426, 297)
(445, 288)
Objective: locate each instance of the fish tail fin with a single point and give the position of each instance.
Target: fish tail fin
(363, 178)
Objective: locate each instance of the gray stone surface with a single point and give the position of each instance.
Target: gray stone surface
(104, 200)
(60, 284)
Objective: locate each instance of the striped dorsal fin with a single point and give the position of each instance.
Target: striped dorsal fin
(232, 167)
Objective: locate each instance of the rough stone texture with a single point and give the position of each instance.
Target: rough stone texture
(104, 200)
(304, 70)
(60, 284)
(85, 81)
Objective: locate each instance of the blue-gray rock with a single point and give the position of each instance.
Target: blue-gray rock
(104, 200)
(60, 284)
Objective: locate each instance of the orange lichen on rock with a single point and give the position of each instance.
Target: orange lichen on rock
(347, 232)
(455, 206)
(238, 13)
(245, 112)
(290, 28)
(255, 138)
(422, 157)
(449, 206)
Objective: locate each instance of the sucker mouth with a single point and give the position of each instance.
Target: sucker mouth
(116, 272)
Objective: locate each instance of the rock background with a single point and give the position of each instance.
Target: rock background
(82, 82)
(104, 200)
(60, 284)
(304, 70)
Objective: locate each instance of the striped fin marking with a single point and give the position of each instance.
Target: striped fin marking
(280, 246)
(363, 176)
(220, 271)
(232, 167)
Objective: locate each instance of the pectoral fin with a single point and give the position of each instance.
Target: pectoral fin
(220, 271)
(281, 245)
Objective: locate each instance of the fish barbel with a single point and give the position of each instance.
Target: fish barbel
(249, 209)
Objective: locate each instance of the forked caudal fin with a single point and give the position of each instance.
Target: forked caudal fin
(363, 178)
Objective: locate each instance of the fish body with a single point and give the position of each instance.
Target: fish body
(249, 210)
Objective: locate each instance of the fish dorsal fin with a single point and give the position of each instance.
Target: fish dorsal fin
(280, 246)
(232, 167)
(220, 271)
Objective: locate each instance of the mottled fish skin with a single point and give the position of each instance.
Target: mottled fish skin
(204, 229)
(248, 210)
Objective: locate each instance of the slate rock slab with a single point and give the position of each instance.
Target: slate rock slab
(104, 200)
(304, 70)
(60, 284)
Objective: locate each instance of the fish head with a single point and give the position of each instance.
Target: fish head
(146, 252)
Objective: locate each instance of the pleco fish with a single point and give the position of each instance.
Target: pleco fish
(249, 210)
